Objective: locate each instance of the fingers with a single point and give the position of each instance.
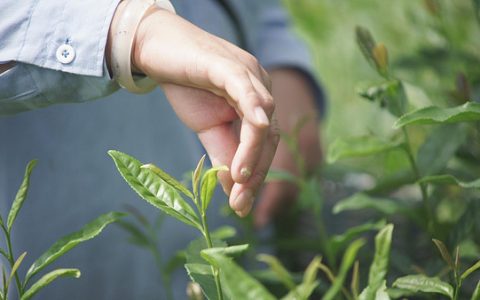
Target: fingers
(242, 195)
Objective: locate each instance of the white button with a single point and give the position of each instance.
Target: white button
(65, 54)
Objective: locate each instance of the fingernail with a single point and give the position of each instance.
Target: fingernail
(261, 116)
(242, 200)
(245, 172)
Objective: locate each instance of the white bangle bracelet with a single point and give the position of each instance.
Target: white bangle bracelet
(122, 44)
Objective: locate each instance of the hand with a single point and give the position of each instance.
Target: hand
(294, 101)
(219, 91)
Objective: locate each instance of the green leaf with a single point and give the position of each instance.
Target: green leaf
(153, 189)
(380, 294)
(197, 175)
(338, 242)
(303, 289)
(467, 112)
(175, 262)
(450, 179)
(439, 148)
(390, 95)
(169, 179)
(347, 261)
(137, 236)
(357, 147)
(277, 267)
(209, 182)
(366, 43)
(47, 279)
(445, 253)
(422, 283)
(223, 232)
(476, 292)
(21, 195)
(470, 270)
(310, 275)
(238, 284)
(68, 242)
(14, 269)
(362, 201)
(379, 266)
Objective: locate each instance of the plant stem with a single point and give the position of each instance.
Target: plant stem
(11, 260)
(206, 234)
(423, 187)
(163, 277)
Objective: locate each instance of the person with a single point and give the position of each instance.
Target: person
(53, 53)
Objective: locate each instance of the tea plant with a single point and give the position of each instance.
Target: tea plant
(26, 289)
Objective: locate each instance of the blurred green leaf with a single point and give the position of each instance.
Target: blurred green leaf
(197, 175)
(476, 292)
(208, 185)
(21, 195)
(363, 201)
(310, 274)
(366, 43)
(358, 146)
(280, 175)
(390, 95)
(175, 262)
(15, 266)
(467, 112)
(168, 179)
(303, 289)
(450, 179)
(68, 242)
(422, 283)
(379, 266)
(238, 283)
(380, 294)
(439, 147)
(153, 189)
(47, 279)
(347, 261)
(338, 242)
(277, 267)
(470, 270)
(137, 236)
(445, 253)
(223, 232)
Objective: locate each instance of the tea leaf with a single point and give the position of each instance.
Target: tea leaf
(277, 267)
(380, 56)
(21, 195)
(347, 261)
(303, 289)
(153, 189)
(422, 283)
(379, 266)
(476, 293)
(202, 274)
(467, 112)
(470, 270)
(445, 253)
(223, 232)
(366, 43)
(47, 279)
(390, 95)
(68, 242)
(337, 242)
(439, 147)
(450, 179)
(358, 147)
(209, 182)
(238, 283)
(381, 293)
(362, 201)
(310, 274)
(197, 175)
(169, 179)
(354, 284)
(14, 269)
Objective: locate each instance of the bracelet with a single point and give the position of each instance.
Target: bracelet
(122, 44)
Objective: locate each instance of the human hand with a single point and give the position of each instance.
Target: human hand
(294, 102)
(219, 91)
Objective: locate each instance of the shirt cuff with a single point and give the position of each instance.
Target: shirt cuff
(67, 36)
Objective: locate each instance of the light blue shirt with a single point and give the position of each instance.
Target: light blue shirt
(75, 180)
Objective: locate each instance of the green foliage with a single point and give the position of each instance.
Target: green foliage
(358, 147)
(26, 291)
(450, 180)
(209, 182)
(363, 201)
(467, 112)
(424, 284)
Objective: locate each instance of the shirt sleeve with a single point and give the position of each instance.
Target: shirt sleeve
(277, 45)
(59, 50)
